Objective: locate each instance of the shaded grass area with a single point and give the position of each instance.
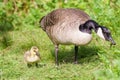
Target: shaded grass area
(97, 61)
(66, 53)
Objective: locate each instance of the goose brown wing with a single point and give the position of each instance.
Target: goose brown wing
(63, 15)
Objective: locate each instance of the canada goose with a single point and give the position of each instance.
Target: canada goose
(32, 56)
(72, 27)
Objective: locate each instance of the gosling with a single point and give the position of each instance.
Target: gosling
(32, 56)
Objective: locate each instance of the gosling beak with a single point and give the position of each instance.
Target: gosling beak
(38, 54)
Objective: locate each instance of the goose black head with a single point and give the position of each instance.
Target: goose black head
(101, 31)
(105, 34)
(88, 26)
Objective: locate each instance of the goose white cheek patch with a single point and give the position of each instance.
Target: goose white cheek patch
(100, 33)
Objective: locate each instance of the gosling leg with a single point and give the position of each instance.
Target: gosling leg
(29, 65)
(36, 64)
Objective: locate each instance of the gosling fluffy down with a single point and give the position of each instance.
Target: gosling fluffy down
(32, 56)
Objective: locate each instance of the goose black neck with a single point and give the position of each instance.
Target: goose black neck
(88, 26)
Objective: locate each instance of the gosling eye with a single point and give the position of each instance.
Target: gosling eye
(34, 50)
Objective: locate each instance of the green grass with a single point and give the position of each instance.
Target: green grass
(97, 61)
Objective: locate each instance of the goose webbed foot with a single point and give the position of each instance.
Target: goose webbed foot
(75, 62)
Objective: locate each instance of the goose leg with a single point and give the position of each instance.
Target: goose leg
(76, 53)
(56, 54)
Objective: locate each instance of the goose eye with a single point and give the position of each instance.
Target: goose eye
(108, 35)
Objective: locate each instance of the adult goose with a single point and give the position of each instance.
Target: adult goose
(32, 56)
(72, 27)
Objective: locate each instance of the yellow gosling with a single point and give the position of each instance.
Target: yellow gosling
(32, 56)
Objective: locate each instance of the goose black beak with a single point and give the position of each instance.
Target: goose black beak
(112, 41)
(107, 35)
